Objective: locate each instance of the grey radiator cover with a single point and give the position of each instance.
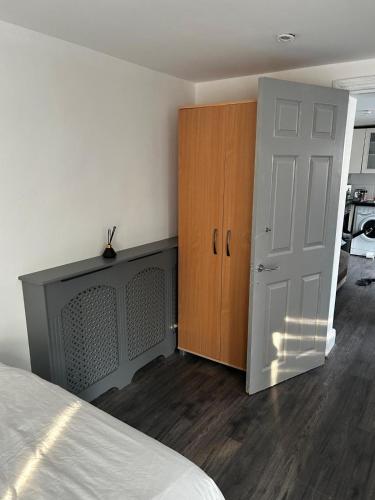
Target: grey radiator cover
(92, 324)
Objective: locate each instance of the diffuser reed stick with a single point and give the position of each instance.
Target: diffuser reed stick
(109, 252)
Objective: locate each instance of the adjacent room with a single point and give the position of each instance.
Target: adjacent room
(358, 233)
(187, 195)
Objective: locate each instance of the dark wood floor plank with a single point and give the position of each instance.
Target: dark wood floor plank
(310, 438)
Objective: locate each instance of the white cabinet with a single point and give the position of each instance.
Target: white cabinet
(362, 158)
(368, 160)
(358, 144)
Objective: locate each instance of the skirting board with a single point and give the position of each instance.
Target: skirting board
(331, 340)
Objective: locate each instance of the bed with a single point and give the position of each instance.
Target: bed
(55, 446)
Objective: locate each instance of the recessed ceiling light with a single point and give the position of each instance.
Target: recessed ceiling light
(366, 111)
(286, 37)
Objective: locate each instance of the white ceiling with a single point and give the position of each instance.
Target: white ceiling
(365, 102)
(207, 39)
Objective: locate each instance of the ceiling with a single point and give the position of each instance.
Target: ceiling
(365, 102)
(202, 40)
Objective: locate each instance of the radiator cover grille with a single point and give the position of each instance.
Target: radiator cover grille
(90, 337)
(146, 311)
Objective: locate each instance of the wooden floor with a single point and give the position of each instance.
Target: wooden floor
(312, 437)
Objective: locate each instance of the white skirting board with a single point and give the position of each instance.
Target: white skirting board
(331, 340)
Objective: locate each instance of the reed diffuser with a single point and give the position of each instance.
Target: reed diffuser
(109, 252)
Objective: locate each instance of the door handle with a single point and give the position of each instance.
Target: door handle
(229, 234)
(262, 268)
(214, 242)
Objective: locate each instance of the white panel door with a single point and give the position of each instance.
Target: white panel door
(298, 171)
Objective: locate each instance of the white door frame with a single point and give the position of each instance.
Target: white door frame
(331, 335)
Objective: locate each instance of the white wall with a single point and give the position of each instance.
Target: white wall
(246, 87)
(86, 141)
(366, 181)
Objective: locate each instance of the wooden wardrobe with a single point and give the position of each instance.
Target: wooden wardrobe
(216, 172)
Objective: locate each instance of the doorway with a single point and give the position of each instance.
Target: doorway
(357, 255)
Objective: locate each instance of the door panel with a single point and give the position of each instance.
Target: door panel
(201, 191)
(309, 312)
(324, 121)
(239, 176)
(287, 118)
(276, 305)
(282, 200)
(300, 142)
(320, 169)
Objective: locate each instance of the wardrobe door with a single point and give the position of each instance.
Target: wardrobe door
(201, 191)
(236, 238)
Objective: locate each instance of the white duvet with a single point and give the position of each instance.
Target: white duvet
(56, 446)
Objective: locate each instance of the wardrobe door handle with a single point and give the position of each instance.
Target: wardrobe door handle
(229, 234)
(214, 241)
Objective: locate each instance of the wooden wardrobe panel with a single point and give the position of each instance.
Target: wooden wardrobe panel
(238, 202)
(201, 192)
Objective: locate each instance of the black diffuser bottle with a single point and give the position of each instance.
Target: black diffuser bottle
(109, 252)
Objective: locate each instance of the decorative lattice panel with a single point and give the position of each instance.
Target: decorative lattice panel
(145, 307)
(90, 337)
